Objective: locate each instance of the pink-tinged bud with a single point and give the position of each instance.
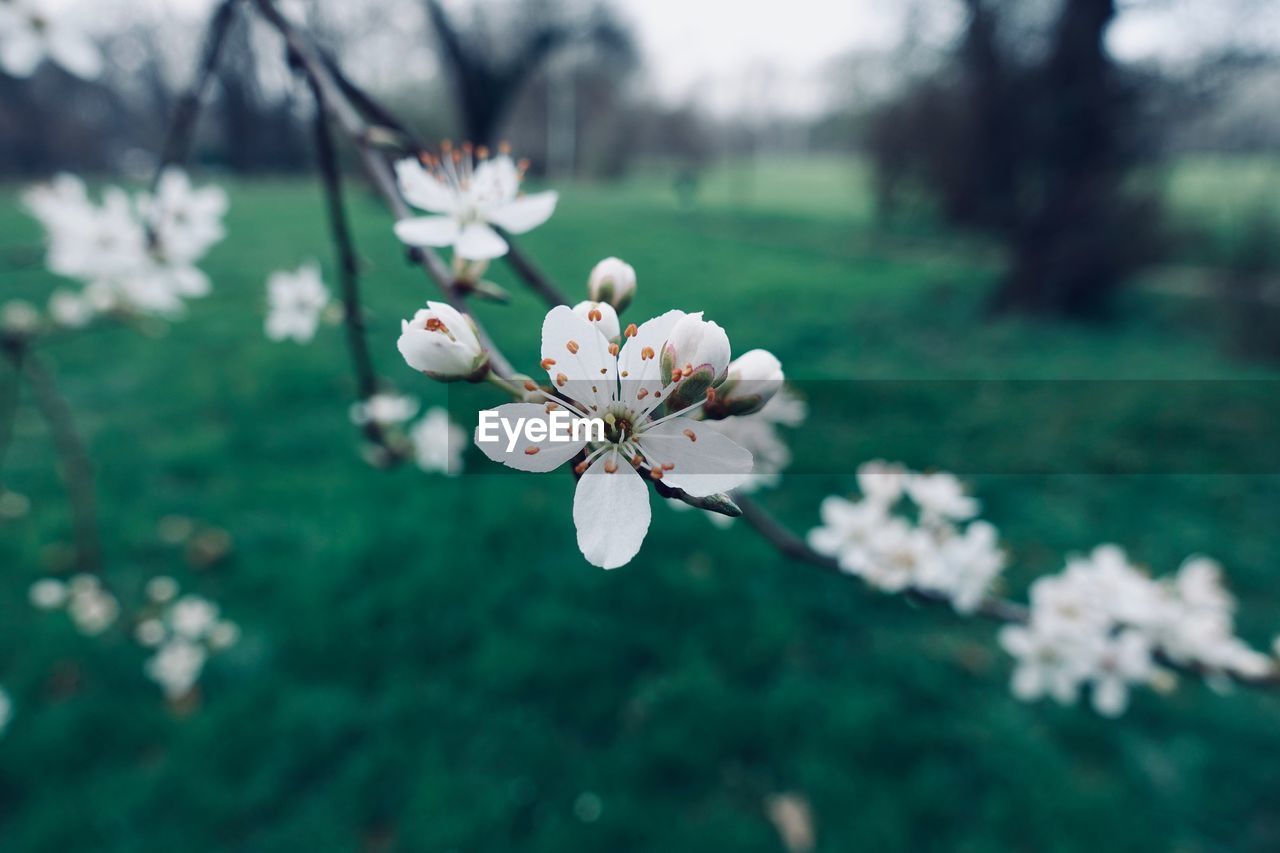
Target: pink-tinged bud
(750, 382)
(699, 349)
(612, 281)
(441, 342)
(601, 315)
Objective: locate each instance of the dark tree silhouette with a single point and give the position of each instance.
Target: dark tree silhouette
(1037, 151)
(486, 77)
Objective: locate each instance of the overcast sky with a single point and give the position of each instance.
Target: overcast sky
(729, 52)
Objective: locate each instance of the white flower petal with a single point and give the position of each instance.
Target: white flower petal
(577, 358)
(495, 182)
(20, 53)
(705, 461)
(423, 190)
(611, 512)
(536, 457)
(479, 242)
(638, 366)
(436, 231)
(74, 52)
(524, 213)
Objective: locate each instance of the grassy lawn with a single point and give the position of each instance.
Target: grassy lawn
(428, 664)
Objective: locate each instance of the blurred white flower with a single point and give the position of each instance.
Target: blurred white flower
(295, 300)
(941, 497)
(438, 443)
(30, 32)
(758, 432)
(385, 409)
(441, 342)
(468, 197)
(1108, 620)
(93, 610)
(162, 589)
(612, 281)
(223, 635)
(176, 667)
(48, 594)
(882, 482)
(894, 553)
(186, 221)
(19, 317)
(192, 616)
(622, 386)
(750, 382)
(150, 633)
(70, 310)
(106, 246)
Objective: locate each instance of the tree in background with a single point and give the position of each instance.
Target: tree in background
(489, 64)
(1038, 150)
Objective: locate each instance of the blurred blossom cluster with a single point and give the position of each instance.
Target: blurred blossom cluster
(183, 631)
(91, 607)
(132, 254)
(1105, 624)
(909, 532)
(296, 300)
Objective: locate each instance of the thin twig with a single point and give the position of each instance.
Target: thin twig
(305, 56)
(348, 271)
(177, 143)
(532, 276)
(77, 467)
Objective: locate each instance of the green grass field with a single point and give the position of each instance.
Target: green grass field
(428, 664)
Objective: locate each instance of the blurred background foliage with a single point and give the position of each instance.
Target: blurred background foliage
(429, 665)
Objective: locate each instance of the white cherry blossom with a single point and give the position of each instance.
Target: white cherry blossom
(441, 342)
(186, 220)
(467, 197)
(594, 377)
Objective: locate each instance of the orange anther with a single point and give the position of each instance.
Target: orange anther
(610, 466)
(572, 347)
(646, 353)
(655, 473)
(631, 330)
(691, 435)
(530, 451)
(530, 385)
(613, 350)
(667, 466)
(594, 314)
(561, 379)
(547, 362)
(642, 393)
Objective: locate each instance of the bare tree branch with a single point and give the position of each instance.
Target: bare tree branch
(77, 468)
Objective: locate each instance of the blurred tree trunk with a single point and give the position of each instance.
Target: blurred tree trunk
(1074, 240)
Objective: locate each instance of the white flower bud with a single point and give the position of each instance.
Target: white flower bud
(601, 315)
(612, 281)
(751, 381)
(699, 350)
(440, 342)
